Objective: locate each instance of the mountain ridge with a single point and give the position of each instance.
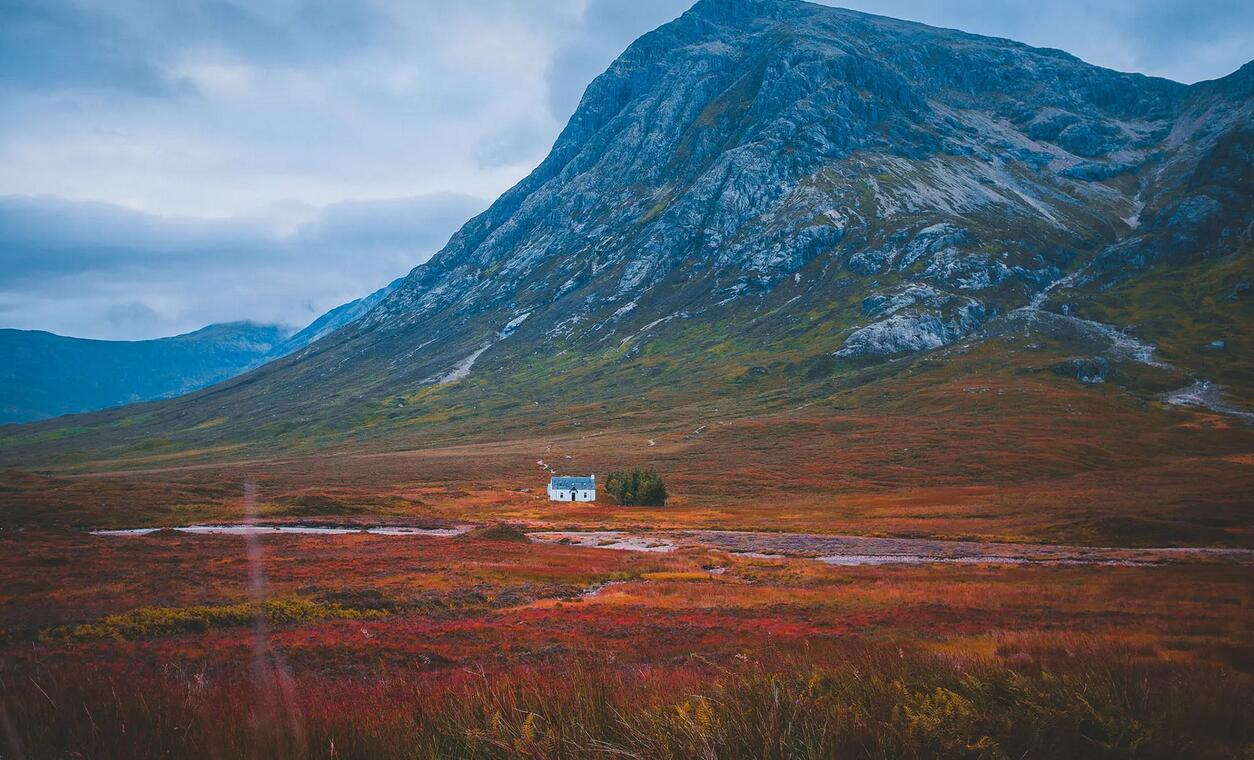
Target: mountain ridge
(47, 375)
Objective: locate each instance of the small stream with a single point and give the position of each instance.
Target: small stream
(1207, 395)
(1123, 346)
(839, 550)
(607, 539)
(871, 550)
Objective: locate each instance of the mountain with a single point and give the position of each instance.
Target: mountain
(770, 202)
(334, 319)
(46, 375)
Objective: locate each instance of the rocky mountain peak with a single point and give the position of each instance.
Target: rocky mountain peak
(748, 11)
(751, 142)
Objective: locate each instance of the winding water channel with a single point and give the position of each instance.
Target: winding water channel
(829, 549)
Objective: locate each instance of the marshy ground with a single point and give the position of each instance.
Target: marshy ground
(1069, 576)
(417, 645)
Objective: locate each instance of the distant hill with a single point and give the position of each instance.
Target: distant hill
(46, 375)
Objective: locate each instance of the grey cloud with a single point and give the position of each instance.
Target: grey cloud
(53, 43)
(97, 270)
(513, 145)
(418, 224)
(1191, 41)
(41, 237)
(285, 32)
(131, 315)
(1183, 40)
(131, 45)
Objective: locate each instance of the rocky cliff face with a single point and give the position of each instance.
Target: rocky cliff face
(1194, 194)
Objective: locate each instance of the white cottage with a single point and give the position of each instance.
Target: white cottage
(573, 489)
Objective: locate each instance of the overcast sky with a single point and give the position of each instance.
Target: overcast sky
(165, 165)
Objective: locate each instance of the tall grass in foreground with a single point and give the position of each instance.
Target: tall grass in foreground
(850, 702)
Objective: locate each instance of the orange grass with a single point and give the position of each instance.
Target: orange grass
(1038, 462)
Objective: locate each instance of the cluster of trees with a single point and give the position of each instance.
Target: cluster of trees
(639, 487)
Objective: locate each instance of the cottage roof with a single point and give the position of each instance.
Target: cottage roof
(567, 483)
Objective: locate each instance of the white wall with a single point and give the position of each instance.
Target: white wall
(580, 495)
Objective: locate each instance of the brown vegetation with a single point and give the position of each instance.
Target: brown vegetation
(376, 646)
(412, 646)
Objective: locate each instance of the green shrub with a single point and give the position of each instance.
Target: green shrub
(151, 622)
(639, 487)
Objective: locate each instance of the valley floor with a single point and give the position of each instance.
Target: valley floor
(1099, 607)
(1017, 461)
